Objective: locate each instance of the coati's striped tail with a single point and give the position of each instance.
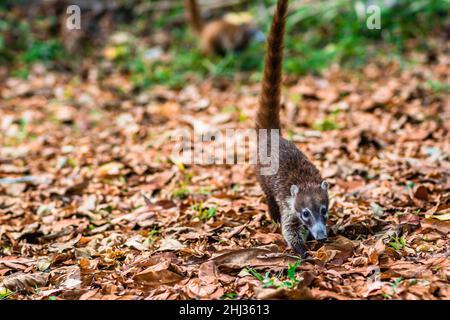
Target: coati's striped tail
(194, 16)
(268, 116)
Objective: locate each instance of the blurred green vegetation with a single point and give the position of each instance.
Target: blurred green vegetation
(319, 34)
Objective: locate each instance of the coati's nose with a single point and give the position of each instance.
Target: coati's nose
(319, 232)
(321, 235)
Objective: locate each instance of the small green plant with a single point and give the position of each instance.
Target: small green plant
(182, 191)
(21, 73)
(290, 134)
(172, 73)
(328, 123)
(267, 280)
(242, 117)
(151, 236)
(396, 282)
(204, 214)
(398, 243)
(254, 273)
(22, 128)
(229, 296)
(292, 270)
(410, 185)
(275, 223)
(272, 281)
(43, 51)
(5, 293)
(205, 191)
(229, 109)
(438, 87)
(235, 188)
(386, 296)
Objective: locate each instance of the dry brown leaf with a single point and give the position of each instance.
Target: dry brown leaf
(25, 281)
(336, 252)
(327, 294)
(170, 244)
(109, 169)
(163, 273)
(303, 293)
(421, 193)
(158, 181)
(438, 225)
(208, 272)
(266, 256)
(198, 289)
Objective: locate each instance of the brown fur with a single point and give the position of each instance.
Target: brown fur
(194, 15)
(294, 167)
(219, 36)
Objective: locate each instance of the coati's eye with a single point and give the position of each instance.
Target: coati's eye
(323, 211)
(305, 214)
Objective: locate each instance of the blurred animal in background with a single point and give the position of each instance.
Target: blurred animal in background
(232, 33)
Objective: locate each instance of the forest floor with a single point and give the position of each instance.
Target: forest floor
(76, 157)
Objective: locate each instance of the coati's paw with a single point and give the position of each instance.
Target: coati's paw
(303, 252)
(299, 248)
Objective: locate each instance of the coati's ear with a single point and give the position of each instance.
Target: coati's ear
(294, 190)
(324, 185)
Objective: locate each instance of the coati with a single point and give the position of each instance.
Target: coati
(296, 193)
(221, 36)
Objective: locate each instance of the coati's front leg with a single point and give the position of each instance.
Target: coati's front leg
(292, 231)
(274, 210)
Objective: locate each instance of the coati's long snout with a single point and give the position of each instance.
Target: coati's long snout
(319, 231)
